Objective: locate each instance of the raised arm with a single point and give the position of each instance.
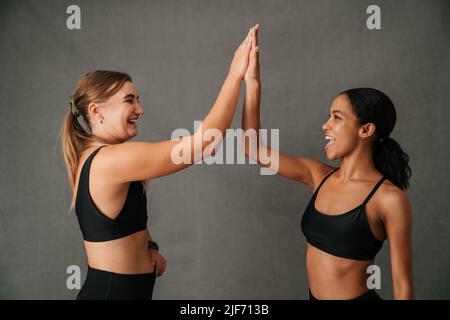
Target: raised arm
(304, 170)
(134, 161)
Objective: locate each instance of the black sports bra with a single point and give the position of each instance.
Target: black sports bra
(346, 235)
(96, 226)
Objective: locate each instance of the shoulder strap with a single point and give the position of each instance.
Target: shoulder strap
(374, 190)
(89, 159)
(95, 152)
(84, 175)
(324, 179)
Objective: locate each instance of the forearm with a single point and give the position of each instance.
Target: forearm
(250, 112)
(213, 127)
(251, 122)
(218, 119)
(402, 265)
(212, 130)
(404, 291)
(222, 112)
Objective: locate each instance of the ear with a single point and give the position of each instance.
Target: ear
(94, 111)
(367, 130)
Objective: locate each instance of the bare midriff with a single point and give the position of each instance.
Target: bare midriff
(127, 255)
(331, 277)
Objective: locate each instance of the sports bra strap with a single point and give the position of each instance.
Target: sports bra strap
(324, 179)
(93, 153)
(373, 190)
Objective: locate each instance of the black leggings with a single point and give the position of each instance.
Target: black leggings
(369, 295)
(105, 285)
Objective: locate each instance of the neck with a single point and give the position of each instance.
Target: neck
(358, 165)
(100, 140)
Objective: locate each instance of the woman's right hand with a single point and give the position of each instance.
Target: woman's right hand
(252, 73)
(241, 57)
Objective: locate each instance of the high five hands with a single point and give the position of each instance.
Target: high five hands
(252, 73)
(245, 64)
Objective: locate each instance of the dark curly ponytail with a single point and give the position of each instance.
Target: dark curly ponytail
(373, 106)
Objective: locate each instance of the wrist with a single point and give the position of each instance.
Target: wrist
(232, 76)
(253, 82)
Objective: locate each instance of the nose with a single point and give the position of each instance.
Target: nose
(139, 110)
(326, 126)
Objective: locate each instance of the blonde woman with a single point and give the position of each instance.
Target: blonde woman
(107, 175)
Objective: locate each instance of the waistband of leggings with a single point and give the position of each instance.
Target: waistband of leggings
(371, 293)
(132, 275)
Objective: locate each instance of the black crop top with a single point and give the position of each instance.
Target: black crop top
(96, 226)
(346, 235)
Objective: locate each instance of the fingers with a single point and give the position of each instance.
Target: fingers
(160, 266)
(246, 40)
(249, 34)
(248, 45)
(253, 65)
(254, 53)
(251, 38)
(252, 56)
(157, 266)
(255, 35)
(163, 267)
(254, 38)
(254, 49)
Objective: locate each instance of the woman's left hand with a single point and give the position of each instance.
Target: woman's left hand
(159, 262)
(252, 73)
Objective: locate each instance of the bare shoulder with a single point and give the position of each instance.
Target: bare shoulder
(97, 167)
(112, 159)
(133, 161)
(319, 171)
(84, 156)
(393, 202)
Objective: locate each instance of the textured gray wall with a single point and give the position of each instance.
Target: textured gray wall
(226, 231)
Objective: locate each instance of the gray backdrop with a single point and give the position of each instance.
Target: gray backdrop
(226, 231)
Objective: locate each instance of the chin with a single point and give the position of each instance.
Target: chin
(331, 156)
(128, 137)
(132, 134)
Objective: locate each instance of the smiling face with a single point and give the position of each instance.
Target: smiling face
(342, 130)
(116, 119)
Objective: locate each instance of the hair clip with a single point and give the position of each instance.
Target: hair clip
(73, 108)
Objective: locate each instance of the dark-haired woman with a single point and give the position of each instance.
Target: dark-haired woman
(355, 206)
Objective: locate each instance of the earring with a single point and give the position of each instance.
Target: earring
(101, 121)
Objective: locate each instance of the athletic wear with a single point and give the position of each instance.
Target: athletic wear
(96, 226)
(369, 295)
(105, 285)
(346, 235)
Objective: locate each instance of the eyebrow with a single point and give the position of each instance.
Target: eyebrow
(338, 111)
(131, 96)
